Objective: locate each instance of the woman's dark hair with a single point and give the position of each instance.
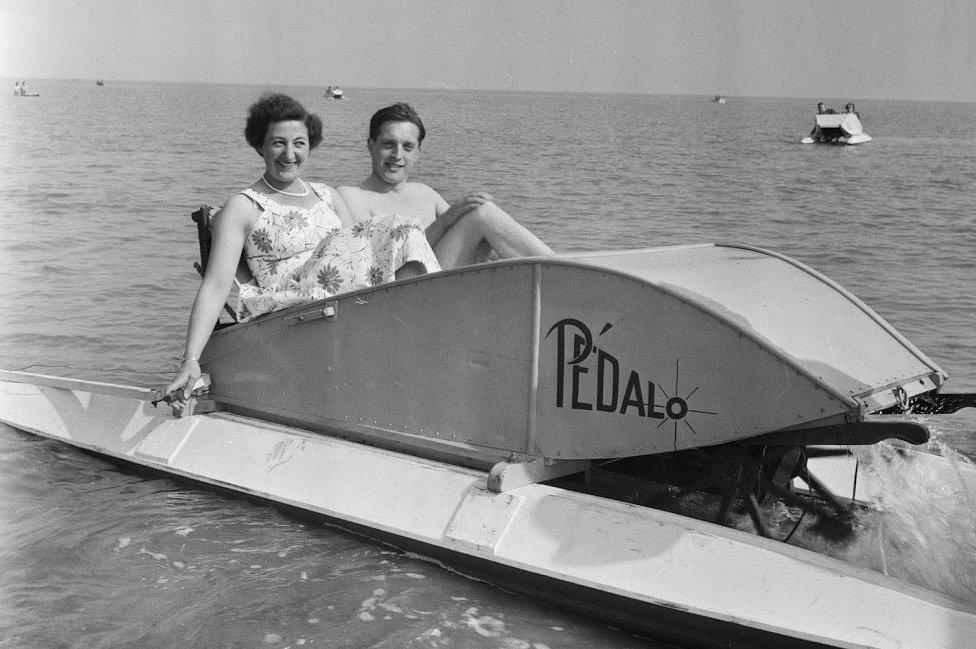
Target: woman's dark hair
(399, 112)
(273, 107)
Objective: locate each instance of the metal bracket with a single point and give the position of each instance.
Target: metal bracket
(193, 406)
(329, 310)
(901, 398)
(505, 476)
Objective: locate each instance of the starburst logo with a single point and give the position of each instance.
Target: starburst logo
(676, 407)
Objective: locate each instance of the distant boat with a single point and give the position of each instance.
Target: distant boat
(99, 82)
(719, 99)
(837, 128)
(334, 92)
(20, 90)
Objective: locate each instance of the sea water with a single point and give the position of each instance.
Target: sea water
(96, 280)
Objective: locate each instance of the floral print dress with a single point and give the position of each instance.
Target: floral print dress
(299, 255)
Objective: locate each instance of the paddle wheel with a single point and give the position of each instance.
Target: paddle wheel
(751, 478)
(714, 484)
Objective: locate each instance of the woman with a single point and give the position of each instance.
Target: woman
(298, 238)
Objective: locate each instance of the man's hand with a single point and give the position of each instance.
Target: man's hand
(463, 206)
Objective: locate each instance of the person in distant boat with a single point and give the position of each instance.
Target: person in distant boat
(849, 108)
(815, 131)
(298, 238)
(472, 230)
(16, 88)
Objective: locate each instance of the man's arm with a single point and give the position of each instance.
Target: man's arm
(441, 222)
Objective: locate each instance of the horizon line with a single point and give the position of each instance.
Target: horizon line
(442, 88)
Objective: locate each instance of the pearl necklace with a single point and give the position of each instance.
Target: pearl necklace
(275, 189)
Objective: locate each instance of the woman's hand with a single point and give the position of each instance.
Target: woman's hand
(185, 379)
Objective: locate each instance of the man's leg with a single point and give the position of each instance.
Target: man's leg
(472, 238)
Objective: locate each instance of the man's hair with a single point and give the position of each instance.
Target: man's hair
(272, 108)
(398, 112)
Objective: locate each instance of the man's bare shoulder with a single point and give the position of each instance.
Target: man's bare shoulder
(346, 191)
(421, 194)
(412, 199)
(426, 190)
(407, 189)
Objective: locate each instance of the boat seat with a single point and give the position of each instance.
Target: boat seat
(204, 220)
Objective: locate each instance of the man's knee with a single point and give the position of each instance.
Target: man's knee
(487, 215)
(410, 269)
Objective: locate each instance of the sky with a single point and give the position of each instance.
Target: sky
(868, 49)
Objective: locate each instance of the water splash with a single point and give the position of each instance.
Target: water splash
(921, 526)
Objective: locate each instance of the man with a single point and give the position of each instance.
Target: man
(467, 232)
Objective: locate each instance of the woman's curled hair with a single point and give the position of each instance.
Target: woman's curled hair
(275, 107)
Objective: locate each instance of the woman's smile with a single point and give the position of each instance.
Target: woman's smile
(285, 151)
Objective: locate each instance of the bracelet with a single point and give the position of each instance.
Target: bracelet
(189, 358)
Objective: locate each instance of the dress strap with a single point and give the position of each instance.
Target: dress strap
(260, 199)
(323, 192)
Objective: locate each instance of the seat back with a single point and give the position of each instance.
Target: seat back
(204, 220)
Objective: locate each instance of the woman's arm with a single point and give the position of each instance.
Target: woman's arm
(230, 227)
